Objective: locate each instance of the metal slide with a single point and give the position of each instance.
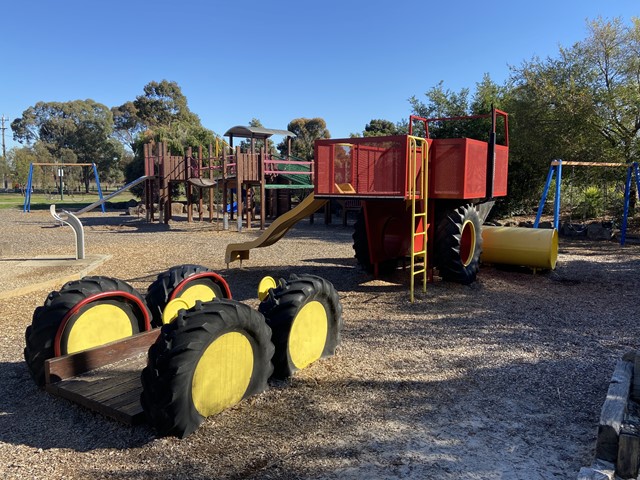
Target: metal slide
(117, 192)
(277, 230)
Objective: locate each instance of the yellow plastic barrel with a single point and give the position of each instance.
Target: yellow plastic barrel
(526, 247)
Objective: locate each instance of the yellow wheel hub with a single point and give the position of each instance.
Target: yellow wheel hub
(308, 334)
(186, 300)
(222, 374)
(266, 284)
(198, 291)
(173, 307)
(467, 242)
(99, 324)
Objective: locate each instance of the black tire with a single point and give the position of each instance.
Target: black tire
(161, 291)
(168, 389)
(458, 245)
(281, 309)
(361, 248)
(47, 319)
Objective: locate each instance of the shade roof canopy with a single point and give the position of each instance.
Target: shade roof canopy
(256, 132)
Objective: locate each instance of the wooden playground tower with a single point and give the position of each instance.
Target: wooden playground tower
(233, 171)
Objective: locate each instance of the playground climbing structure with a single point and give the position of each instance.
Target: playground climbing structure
(231, 173)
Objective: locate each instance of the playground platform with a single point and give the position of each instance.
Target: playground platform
(20, 276)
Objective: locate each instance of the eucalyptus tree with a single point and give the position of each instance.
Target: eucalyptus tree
(307, 131)
(160, 114)
(79, 131)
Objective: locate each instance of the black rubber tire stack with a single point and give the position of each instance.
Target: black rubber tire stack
(40, 335)
(447, 245)
(283, 304)
(167, 379)
(160, 290)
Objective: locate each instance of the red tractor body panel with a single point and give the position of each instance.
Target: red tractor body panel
(365, 167)
(458, 169)
(376, 167)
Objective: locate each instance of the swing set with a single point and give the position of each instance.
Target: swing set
(556, 169)
(58, 169)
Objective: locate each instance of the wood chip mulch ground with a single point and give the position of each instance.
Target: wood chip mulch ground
(501, 379)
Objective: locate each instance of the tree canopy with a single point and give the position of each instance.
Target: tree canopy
(161, 113)
(78, 131)
(307, 131)
(583, 104)
(378, 127)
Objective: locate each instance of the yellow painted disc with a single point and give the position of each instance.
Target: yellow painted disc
(99, 324)
(222, 374)
(467, 242)
(266, 284)
(173, 307)
(197, 291)
(308, 334)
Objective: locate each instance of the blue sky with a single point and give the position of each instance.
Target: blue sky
(345, 61)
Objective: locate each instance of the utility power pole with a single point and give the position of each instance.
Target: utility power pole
(3, 128)
(4, 151)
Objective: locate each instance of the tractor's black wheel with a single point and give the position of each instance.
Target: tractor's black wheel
(194, 282)
(209, 358)
(458, 245)
(305, 316)
(361, 248)
(83, 314)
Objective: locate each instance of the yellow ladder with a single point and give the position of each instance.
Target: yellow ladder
(418, 194)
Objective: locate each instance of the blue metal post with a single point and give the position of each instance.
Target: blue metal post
(95, 172)
(556, 201)
(544, 196)
(27, 195)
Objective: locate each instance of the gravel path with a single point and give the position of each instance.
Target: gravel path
(501, 379)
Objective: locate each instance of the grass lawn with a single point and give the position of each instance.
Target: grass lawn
(41, 201)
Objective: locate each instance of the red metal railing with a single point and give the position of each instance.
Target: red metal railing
(495, 113)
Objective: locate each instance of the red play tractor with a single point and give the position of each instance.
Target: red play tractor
(422, 198)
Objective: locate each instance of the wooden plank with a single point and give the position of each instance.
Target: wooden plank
(127, 416)
(124, 399)
(628, 453)
(635, 391)
(589, 164)
(67, 366)
(107, 382)
(613, 410)
(65, 165)
(108, 388)
(112, 392)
